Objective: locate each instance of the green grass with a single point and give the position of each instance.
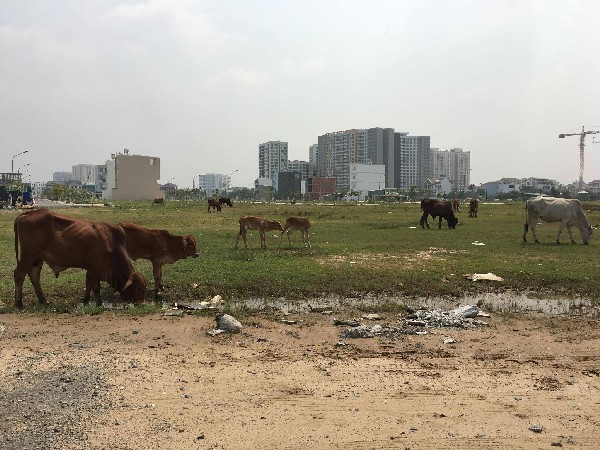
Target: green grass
(356, 250)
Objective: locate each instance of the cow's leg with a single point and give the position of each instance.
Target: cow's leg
(92, 283)
(569, 230)
(440, 223)
(560, 230)
(525, 230)
(289, 239)
(263, 239)
(306, 239)
(533, 227)
(19, 276)
(423, 221)
(34, 276)
(157, 272)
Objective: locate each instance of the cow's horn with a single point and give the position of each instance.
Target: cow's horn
(129, 283)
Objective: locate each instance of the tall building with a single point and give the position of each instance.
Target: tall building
(411, 161)
(357, 146)
(272, 158)
(62, 177)
(313, 157)
(213, 182)
(132, 177)
(86, 173)
(304, 168)
(455, 165)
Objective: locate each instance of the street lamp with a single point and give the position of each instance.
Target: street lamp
(12, 169)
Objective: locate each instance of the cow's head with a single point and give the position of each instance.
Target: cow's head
(272, 225)
(452, 221)
(189, 246)
(134, 290)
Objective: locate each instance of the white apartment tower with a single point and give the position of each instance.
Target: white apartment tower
(411, 161)
(455, 165)
(211, 182)
(272, 158)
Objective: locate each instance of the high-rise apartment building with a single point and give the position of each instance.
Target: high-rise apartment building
(357, 146)
(304, 168)
(272, 158)
(313, 155)
(411, 161)
(211, 183)
(455, 165)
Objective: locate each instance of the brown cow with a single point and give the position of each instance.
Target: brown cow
(473, 207)
(214, 203)
(435, 208)
(296, 223)
(63, 242)
(159, 201)
(456, 204)
(257, 223)
(159, 246)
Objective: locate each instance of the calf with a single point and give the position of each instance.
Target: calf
(296, 223)
(473, 207)
(437, 208)
(214, 203)
(64, 242)
(456, 204)
(158, 246)
(225, 201)
(257, 223)
(158, 201)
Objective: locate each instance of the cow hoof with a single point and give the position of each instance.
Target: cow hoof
(537, 242)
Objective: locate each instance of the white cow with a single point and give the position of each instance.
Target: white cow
(566, 211)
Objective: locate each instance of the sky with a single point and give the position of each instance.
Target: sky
(201, 84)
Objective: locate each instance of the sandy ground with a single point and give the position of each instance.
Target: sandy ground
(156, 382)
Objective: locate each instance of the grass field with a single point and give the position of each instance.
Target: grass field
(357, 249)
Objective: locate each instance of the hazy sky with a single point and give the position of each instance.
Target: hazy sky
(201, 83)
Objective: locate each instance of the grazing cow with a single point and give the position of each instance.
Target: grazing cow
(159, 246)
(296, 223)
(257, 223)
(435, 208)
(568, 212)
(214, 204)
(63, 242)
(225, 201)
(159, 201)
(456, 204)
(473, 207)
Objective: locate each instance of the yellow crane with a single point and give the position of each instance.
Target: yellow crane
(582, 136)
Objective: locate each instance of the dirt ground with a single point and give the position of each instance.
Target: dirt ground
(114, 381)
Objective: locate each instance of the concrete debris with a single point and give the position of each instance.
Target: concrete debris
(536, 428)
(416, 324)
(483, 276)
(319, 308)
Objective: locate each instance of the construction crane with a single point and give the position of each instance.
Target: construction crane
(582, 136)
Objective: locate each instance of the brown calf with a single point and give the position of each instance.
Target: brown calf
(296, 223)
(63, 242)
(158, 246)
(256, 223)
(214, 203)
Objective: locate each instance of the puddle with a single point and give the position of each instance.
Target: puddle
(501, 302)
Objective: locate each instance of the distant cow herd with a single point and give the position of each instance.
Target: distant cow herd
(105, 251)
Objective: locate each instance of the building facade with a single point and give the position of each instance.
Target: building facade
(213, 183)
(365, 178)
(304, 168)
(339, 149)
(453, 164)
(272, 158)
(132, 177)
(412, 161)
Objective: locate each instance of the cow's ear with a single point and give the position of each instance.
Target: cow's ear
(185, 242)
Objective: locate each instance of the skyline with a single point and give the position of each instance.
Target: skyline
(200, 84)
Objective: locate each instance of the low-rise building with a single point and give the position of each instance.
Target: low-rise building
(132, 177)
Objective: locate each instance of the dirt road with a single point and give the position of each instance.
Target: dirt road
(155, 382)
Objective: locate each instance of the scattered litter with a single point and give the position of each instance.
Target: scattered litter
(225, 324)
(346, 323)
(477, 243)
(412, 227)
(288, 321)
(214, 303)
(483, 276)
(466, 311)
(449, 340)
(372, 317)
(536, 428)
